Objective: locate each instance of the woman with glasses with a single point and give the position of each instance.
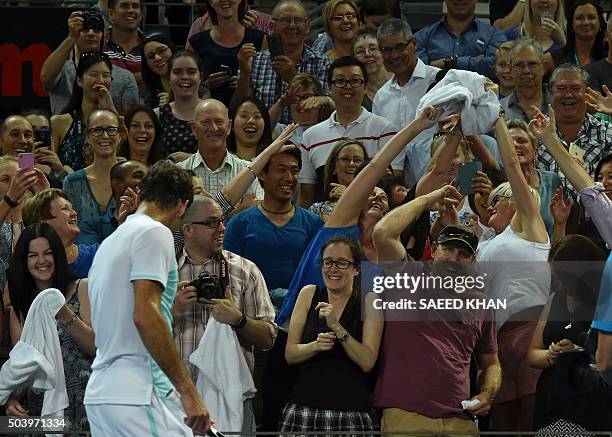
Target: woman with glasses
(220, 45)
(345, 160)
(366, 50)
(156, 52)
(341, 20)
(90, 92)
(333, 348)
(308, 103)
(517, 271)
(89, 189)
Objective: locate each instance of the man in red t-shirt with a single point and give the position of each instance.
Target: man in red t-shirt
(424, 369)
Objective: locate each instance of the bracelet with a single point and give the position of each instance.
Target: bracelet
(251, 170)
(70, 322)
(10, 202)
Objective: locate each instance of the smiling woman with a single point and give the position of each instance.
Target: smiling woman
(251, 129)
(89, 189)
(341, 20)
(142, 142)
(157, 50)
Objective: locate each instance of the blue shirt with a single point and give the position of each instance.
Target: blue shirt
(475, 48)
(80, 267)
(96, 229)
(603, 311)
(253, 236)
(309, 269)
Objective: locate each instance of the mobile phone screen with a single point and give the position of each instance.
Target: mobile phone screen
(26, 160)
(43, 136)
(468, 171)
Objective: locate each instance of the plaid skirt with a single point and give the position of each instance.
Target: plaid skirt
(298, 418)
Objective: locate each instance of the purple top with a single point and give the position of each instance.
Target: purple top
(599, 207)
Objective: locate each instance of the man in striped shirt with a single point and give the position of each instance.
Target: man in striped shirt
(124, 47)
(347, 79)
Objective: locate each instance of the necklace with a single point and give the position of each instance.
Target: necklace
(275, 212)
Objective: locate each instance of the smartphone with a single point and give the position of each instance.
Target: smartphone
(43, 136)
(275, 46)
(225, 69)
(576, 152)
(576, 349)
(468, 171)
(26, 160)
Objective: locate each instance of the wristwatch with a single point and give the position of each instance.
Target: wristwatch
(450, 62)
(240, 324)
(344, 337)
(502, 112)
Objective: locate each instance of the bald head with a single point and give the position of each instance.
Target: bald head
(200, 208)
(211, 126)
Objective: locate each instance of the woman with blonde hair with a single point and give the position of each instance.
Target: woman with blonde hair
(545, 22)
(341, 20)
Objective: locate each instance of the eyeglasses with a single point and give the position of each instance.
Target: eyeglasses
(341, 83)
(341, 263)
(367, 51)
(531, 65)
(158, 51)
(398, 48)
(348, 159)
(340, 18)
(212, 223)
(111, 131)
(296, 99)
(496, 199)
(286, 21)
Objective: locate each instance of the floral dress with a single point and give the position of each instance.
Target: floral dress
(77, 369)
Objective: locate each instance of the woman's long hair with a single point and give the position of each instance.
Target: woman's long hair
(151, 80)
(86, 61)
(266, 136)
(528, 27)
(155, 152)
(21, 285)
(329, 171)
(599, 50)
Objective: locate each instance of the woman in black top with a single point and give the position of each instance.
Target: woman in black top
(330, 343)
(563, 403)
(220, 45)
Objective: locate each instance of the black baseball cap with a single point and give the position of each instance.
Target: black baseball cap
(460, 234)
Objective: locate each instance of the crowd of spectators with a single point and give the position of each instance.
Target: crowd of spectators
(304, 171)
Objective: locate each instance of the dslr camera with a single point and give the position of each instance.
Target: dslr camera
(92, 20)
(208, 286)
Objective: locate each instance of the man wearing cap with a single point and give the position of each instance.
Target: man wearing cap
(424, 393)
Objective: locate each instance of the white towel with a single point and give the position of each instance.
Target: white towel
(463, 91)
(36, 360)
(224, 380)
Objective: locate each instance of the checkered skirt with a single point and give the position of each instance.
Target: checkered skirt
(299, 418)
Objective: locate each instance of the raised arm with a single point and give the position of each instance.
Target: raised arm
(527, 221)
(545, 130)
(240, 184)
(348, 208)
(387, 232)
(52, 67)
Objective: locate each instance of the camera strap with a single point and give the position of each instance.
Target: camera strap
(223, 272)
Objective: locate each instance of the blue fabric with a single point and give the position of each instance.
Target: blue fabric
(475, 48)
(549, 182)
(603, 312)
(96, 229)
(80, 267)
(309, 270)
(253, 236)
(515, 33)
(77, 188)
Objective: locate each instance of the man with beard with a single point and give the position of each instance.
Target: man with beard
(426, 394)
(259, 232)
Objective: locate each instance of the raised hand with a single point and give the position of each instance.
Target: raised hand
(560, 207)
(599, 103)
(542, 127)
(245, 57)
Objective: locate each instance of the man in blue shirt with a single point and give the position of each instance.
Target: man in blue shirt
(460, 41)
(275, 234)
(603, 323)
(124, 174)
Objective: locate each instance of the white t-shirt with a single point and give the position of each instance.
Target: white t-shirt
(517, 270)
(141, 248)
(318, 141)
